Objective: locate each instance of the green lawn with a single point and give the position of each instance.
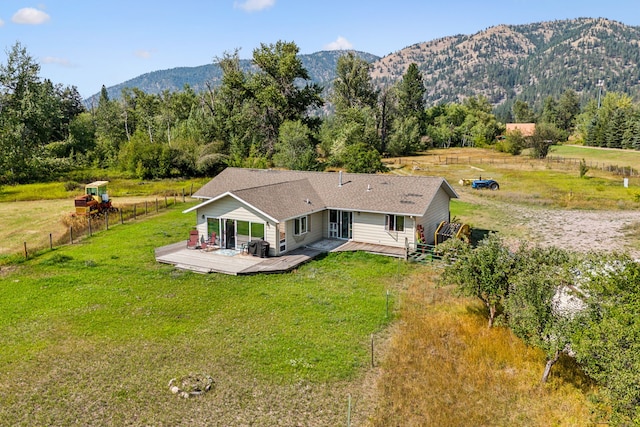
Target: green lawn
(593, 154)
(92, 333)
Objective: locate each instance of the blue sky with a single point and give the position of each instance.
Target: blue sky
(88, 43)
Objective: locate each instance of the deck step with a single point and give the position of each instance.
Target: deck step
(194, 268)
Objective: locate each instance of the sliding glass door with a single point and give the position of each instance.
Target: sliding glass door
(340, 224)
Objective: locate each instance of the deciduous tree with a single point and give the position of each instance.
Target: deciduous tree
(482, 272)
(608, 347)
(533, 306)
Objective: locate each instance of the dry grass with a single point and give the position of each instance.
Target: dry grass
(524, 180)
(446, 368)
(33, 221)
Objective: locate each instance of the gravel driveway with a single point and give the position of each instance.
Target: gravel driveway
(579, 230)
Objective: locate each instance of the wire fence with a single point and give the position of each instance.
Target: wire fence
(549, 161)
(79, 227)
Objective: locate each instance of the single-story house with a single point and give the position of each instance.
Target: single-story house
(291, 209)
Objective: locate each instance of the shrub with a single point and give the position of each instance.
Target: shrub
(583, 168)
(72, 186)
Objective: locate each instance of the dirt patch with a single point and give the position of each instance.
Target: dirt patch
(574, 230)
(580, 230)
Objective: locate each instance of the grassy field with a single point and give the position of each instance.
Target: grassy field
(446, 368)
(93, 333)
(118, 188)
(528, 181)
(29, 213)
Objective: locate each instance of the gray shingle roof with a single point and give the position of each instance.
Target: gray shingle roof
(284, 194)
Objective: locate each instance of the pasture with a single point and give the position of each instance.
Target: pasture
(92, 334)
(531, 181)
(29, 213)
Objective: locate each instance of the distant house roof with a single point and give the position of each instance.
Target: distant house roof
(282, 194)
(526, 129)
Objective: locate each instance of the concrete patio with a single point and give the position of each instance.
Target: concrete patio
(237, 263)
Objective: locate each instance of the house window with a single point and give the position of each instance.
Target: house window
(301, 225)
(257, 230)
(394, 223)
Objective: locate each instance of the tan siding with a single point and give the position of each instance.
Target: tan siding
(315, 234)
(369, 228)
(437, 212)
(230, 208)
(270, 236)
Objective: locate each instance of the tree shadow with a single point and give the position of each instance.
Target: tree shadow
(477, 234)
(567, 370)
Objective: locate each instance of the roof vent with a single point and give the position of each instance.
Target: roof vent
(368, 187)
(308, 201)
(340, 179)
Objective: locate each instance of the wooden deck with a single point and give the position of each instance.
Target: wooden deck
(201, 261)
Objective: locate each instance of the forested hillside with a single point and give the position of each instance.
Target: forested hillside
(320, 65)
(527, 62)
(503, 63)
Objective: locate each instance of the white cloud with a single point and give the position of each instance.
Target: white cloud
(59, 61)
(253, 5)
(339, 44)
(142, 53)
(30, 16)
(1, 23)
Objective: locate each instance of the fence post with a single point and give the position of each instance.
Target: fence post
(156, 205)
(106, 220)
(71, 235)
(146, 208)
(121, 218)
(134, 211)
(50, 241)
(387, 303)
(26, 255)
(165, 202)
(89, 219)
(372, 363)
(182, 194)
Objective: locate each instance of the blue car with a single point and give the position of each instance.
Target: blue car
(485, 183)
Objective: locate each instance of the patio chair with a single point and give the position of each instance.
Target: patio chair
(193, 242)
(212, 241)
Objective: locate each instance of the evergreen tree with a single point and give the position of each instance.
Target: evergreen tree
(568, 109)
(615, 129)
(110, 129)
(549, 111)
(411, 92)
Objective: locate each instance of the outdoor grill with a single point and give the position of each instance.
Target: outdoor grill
(258, 248)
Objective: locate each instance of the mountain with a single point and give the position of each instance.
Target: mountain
(320, 65)
(529, 61)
